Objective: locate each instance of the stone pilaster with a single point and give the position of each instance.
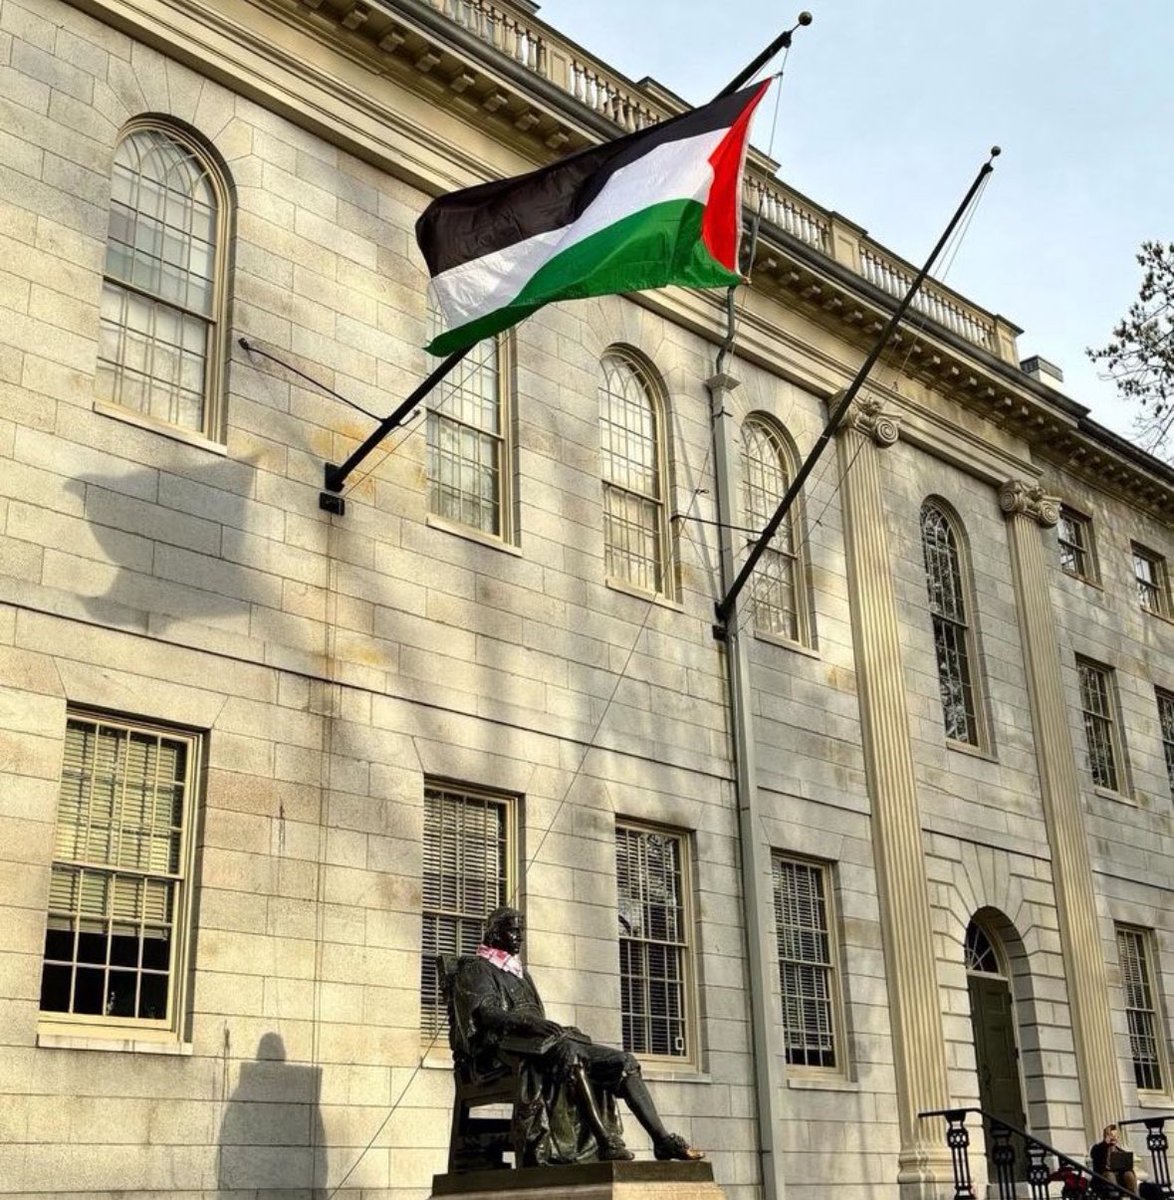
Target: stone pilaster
(1027, 510)
(915, 1010)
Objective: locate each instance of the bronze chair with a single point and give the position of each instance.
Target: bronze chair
(475, 1143)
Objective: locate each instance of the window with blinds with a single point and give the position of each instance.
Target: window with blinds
(655, 955)
(1146, 1038)
(115, 933)
(467, 872)
(808, 980)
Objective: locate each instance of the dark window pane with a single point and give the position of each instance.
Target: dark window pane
(153, 997)
(89, 992)
(55, 988)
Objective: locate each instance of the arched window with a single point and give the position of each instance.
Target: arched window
(981, 956)
(468, 447)
(953, 641)
(634, 533)
(779, 606)
(161, 341)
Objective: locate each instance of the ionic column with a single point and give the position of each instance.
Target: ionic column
(1028, 511)
(915, 1009)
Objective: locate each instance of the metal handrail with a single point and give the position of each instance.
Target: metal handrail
(1002, 1155)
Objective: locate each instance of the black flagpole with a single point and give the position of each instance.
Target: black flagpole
(840, 410)
(335, 476)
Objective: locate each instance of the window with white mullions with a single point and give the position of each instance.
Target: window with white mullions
(953, 638)
(808, 980)
(1076, 545)
(468, 448)
(161, 331)
(1146, 1038)
(1149, 572)
(654, 950)
(778, 593)
(467, 869)
(1099, 710)
(634, 534)
(115, 927)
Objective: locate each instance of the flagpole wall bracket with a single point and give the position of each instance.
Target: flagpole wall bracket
(330, 501)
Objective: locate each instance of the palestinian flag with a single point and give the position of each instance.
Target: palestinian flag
(657, 207)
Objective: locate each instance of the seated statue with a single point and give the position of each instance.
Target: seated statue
(565, 1108)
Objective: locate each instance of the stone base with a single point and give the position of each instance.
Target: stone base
(589, 1181)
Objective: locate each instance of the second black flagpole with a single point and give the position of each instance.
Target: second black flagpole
(335, 476)
(844, 402)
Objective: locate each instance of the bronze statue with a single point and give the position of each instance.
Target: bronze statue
(565, 1109)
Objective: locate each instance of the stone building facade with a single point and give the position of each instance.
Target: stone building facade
(900, 839)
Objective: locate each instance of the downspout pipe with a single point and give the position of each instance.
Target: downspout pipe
(757, 901)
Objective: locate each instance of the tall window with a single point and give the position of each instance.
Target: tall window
(468, 447)
(1145, 1027)
(778, 584)
(1099, 707)
(1076, 546)
(953, 641)
(467, 869)
(161, 338)
(118, 894)
(808, 980)
(634, 534)
(655, 968)
(1149, 570)
(1166, 722)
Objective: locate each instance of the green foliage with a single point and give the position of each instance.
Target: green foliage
(1140, 356)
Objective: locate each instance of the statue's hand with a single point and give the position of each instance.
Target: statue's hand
(540, 1027)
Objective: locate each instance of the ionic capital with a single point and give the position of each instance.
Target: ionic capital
(868, 417)
(1016, 496)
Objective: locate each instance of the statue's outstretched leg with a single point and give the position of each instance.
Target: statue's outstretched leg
(611, 1145)
(665, 1145)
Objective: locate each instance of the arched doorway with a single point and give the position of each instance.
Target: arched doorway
(992, 1019)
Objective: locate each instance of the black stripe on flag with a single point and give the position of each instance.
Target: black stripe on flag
(477, 221)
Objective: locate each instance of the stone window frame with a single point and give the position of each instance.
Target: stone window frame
(453, 407)
(1077, 544)
(619, 441)
(678, 951)
(1100, 709)
(1151, 580)
(1137, 961)
(452, 916)
(822, 971)
(792, 535)
(178, 878)
(953, 625)
(211, 431)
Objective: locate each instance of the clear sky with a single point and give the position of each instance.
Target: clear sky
(889, 108)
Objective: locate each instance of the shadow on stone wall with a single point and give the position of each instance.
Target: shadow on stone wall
(272, 1137)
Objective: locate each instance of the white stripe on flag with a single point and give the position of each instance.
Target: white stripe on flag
(678, 170)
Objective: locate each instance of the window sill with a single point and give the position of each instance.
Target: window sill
(111, 1041)
(658, 598)
(774, 639)
(472, 535)
(1117, 797)
(187, 436)
(1153, 1099)
(1088, 580)
(973, 751)
(822, 1083)
(658, 1073)
(1161, 616)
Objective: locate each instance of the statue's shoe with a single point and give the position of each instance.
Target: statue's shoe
(674, 1147)
(614, 1150)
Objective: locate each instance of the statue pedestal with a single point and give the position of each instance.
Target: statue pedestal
(588, 1181)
